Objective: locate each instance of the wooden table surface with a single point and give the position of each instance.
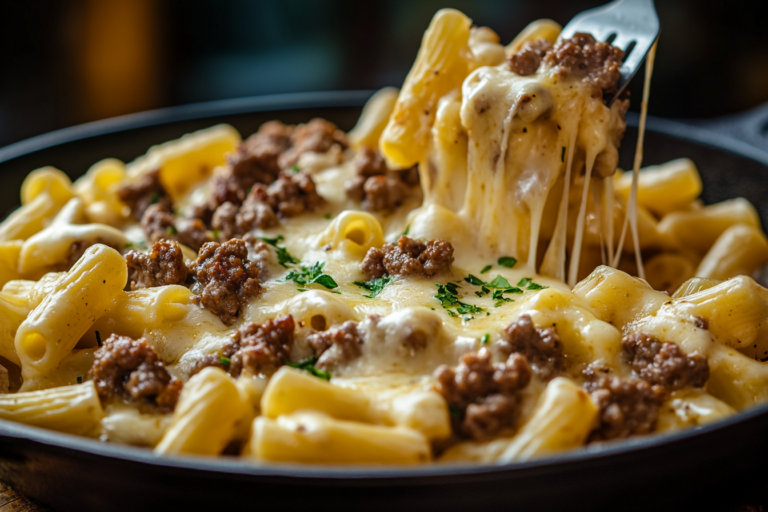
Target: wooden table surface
(11, 501)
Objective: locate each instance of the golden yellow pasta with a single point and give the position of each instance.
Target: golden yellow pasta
(464, 278)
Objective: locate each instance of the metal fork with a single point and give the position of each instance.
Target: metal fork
(631, 25)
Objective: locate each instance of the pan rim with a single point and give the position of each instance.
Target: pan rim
(437, 473)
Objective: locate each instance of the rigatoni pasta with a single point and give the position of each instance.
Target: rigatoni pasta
(465, 277)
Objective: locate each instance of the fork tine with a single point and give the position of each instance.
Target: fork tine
(631, 25)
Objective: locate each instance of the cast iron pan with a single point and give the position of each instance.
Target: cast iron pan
(694, 468)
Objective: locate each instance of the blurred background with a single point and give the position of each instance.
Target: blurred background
(65, 62)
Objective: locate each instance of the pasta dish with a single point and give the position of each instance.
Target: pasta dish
(464, 277)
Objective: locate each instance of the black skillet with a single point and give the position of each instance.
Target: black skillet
(697, 468)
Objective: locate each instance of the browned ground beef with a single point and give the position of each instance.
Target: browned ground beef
(484, 395)
(665, 364)
(293, 194)
(162, 265)
(257, 348)
(159, 223)
(541, 347)
(526, 61)
(375, 186)
(229, 280)
(628, 407)
(145, 191)
(130, 370)
(317, 136)
(336, 345)
(595, 62)
(408, 257)
(257, 156)
(259, 253)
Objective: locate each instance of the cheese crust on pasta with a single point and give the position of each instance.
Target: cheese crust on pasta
(465, 277)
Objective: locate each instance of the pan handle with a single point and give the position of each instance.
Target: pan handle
(750, 126)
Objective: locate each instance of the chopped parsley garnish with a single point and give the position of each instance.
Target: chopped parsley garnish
(485, 339)
(327, 216)
(295, 169)
(216, 233)
(312, 275)
(562, 155)
(474, 280)
(172, 230)
(456, 413)
(283, 256)
(507, 261)
(499, 282)
(154, 199)
(79, 380)
(308, 365)
(98, 338)
(486, 269)
(375, 286)
(407, 230)
(528, 284)
(448, 295)
(225, 361)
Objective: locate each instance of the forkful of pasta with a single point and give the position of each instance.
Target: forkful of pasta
(631, 25)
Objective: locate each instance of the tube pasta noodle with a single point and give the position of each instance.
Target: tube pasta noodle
(487, 312)
(73, 409)
(206, 417)
(314, 437)
(43, 193)
(188, 160)
(89, 290)
(740, 250)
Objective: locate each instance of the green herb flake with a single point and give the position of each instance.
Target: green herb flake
(524, 282)
(528, 284)
(407, 230)
(295, 168)
(456, 413)
(172, 230)
(507, 261)
(312, 275)
(327, 216)
(225, 361)
(216, 233)
(154, 199)
(474, 280)
(448, 295)
(375, 286)
(98, 338)
(79, 380)
(486, 269)
(499, 282)
(562, 155)
(485, 339)
(284, 258)
(128, 245)
(308, 365)
(536, 286)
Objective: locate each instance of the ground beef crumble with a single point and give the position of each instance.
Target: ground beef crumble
(228, 279)
(483, 396)
(336, 345)
(162, 265)
(628, 407)
(528, 58)
(541, 347)
(408, 257)
(159, 223)
(375, 186)
(142, 193)
(317, 136)
(130, 370)
(595, 62)
(256, 348)
(664, 364)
